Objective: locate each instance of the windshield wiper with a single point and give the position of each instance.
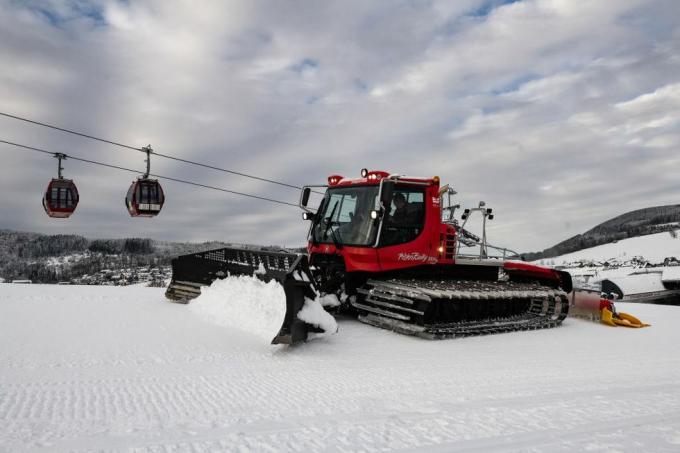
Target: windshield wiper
(327, 221)
(329, 226)
(335, 236)
(317, 219)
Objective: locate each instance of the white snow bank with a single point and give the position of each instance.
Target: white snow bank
(245, 303)
(639, 283)
(671, 274)
(313, 313)
(654, 248)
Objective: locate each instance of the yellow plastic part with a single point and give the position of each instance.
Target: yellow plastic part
(607, 317)
(629, 321)
(621, 319)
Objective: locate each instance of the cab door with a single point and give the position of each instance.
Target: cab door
(406, 236)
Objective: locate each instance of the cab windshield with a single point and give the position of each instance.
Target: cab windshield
(345, 217)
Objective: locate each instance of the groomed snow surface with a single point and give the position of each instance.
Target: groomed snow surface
(121, 369)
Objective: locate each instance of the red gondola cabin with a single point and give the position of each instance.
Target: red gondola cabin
(61, 198)
(145, 198)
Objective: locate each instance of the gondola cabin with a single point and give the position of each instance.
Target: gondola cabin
(145, 198)
(61, 198)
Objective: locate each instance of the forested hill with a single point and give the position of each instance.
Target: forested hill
(631, 224)
(15, 244)
(51, 258)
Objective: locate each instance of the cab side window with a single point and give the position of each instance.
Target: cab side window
(406, 218)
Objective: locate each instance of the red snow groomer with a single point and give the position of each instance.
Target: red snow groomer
(389, 247)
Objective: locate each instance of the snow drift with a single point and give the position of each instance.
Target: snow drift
(248, 304)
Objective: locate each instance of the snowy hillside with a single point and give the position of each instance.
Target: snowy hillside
(653, 248)
(120, 369)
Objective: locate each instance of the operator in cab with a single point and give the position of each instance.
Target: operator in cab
(401, 209)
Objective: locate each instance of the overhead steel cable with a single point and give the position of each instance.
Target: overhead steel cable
(68, 131)
(167, 156)
(169, 178)
(198, 164)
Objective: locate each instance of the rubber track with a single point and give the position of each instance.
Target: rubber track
(388, 305)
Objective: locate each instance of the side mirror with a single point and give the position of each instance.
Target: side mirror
(304, 199)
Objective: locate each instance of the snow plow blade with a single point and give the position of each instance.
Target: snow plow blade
(594, 306)
(291, 270)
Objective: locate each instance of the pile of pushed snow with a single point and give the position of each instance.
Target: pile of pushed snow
(244, 303)
(313, 313)
(252, 306)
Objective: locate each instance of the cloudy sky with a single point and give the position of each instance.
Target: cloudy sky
(558, 113)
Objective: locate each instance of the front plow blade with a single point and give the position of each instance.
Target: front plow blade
(291, 270)
(294, 330)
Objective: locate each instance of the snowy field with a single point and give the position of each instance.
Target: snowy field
(120, 369)
(653, 247)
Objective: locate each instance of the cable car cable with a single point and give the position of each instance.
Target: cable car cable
(167, 156)
(70, 131)
(169, 178)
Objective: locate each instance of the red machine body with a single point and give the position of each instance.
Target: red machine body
(435, 245)
(381, 245)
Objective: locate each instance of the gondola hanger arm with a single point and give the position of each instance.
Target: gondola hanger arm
(147, 149)
(60, 157)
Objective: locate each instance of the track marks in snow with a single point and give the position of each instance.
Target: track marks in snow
(611, 434)
(129, 372)
(198, 415)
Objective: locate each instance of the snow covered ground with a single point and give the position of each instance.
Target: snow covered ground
(620, 260)
(120, 369)
(654, 248)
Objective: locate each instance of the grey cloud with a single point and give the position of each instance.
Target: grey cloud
(558, 114)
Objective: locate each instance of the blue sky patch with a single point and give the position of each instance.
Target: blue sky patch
(514, 84)
(304, 65)
(487, 7)
(48, 15)
(77, 10)
(361, 85)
